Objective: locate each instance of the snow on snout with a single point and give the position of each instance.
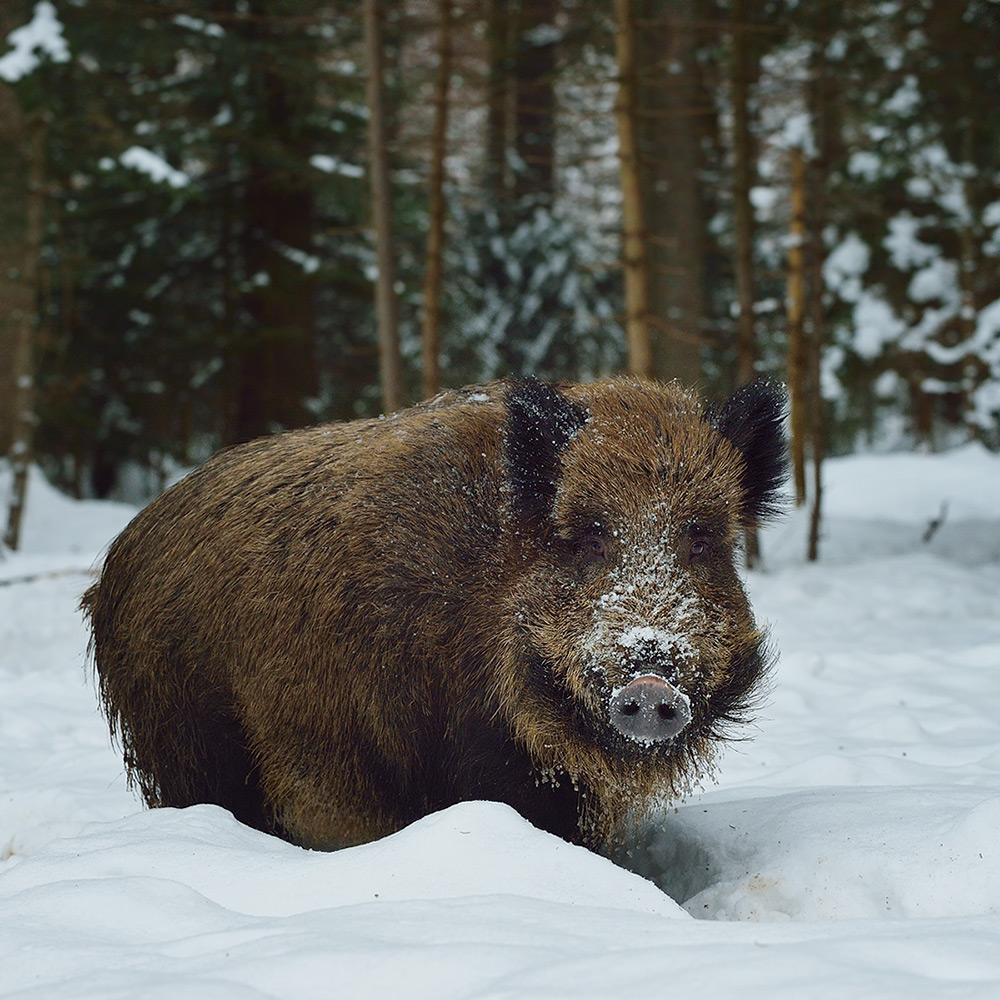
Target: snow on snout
(645, 619)
(655, 647)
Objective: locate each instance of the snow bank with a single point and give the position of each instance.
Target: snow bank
(835, 853)
(911, 488)
(475, 849)
(55, 524)
(883, 504)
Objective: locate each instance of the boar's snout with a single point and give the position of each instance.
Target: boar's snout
(650, 710)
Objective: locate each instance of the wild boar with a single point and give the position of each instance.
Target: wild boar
(516, 591)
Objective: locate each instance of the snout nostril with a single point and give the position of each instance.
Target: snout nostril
(630, 708)
(665, 711)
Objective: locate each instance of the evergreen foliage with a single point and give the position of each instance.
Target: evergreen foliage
(207, 265)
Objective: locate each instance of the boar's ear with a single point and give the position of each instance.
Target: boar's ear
(540, 423)
(752, 419)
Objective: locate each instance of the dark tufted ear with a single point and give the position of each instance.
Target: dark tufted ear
(540, 423)
(752, 419)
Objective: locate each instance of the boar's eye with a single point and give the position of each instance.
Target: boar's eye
(699, 549)
(592, 547)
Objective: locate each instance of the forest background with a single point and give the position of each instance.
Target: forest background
(219, 218)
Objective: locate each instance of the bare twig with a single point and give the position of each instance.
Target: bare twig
(936, 522)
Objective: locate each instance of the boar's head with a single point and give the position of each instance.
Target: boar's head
(634, 649)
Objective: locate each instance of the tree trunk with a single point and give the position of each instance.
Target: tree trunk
(430, 333)
(672, 105)
(534, 107)
(634, 249)
(15, 296)
(386, 301)
(821, 97)
(746, 345)
(531, 69)
(796, 305)
(276, 356)
(498, 41)
(277, 364)
(26, 319)
(817, 435)
(746, 341)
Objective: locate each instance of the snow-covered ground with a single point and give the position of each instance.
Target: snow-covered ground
(851, 848)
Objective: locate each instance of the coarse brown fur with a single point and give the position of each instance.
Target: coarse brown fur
(334, 631)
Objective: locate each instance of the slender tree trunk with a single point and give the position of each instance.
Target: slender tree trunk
(796, 305)
(746, 342)
(534, 107)
(634, 247)
(13, 199)
(498, 32)
(818, 442)
(386, 301)
(228, 251)
(430, 333)
(15, 297)
(821, 98)
(746, 345)
(817, 436)
(23, 374)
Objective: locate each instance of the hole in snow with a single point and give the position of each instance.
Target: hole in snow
(670, 855)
